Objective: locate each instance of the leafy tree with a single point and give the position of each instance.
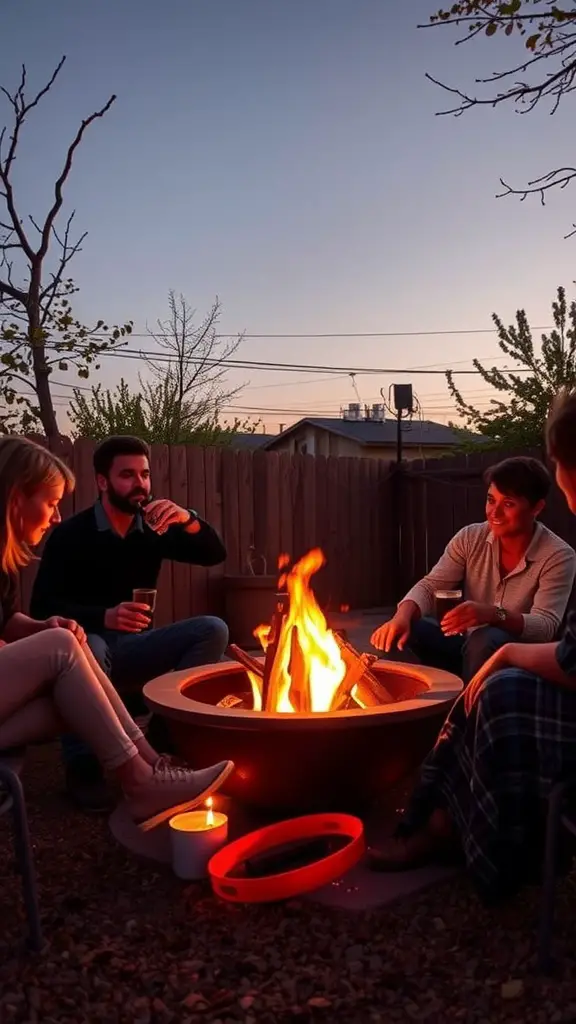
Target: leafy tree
(38, 330)
(150, 413)
(546, 72)
(517, 419)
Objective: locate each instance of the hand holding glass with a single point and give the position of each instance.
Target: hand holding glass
(445, 601)
(145, 595)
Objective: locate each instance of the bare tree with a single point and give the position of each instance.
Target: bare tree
(192, 367)
(546, 73)
(38, 331)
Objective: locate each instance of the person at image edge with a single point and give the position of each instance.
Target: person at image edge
(92, 563)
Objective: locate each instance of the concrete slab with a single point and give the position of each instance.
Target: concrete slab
(358, 890)
(362, 889)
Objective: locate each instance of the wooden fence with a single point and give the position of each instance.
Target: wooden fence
(381, 529)
(274, 502)
(438, 497)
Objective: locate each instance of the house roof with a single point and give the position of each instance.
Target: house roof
(249, 442)
(368, 433)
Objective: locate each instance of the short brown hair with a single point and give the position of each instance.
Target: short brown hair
(561, 429)
(24, 466)
(520, 477)
(120, 444)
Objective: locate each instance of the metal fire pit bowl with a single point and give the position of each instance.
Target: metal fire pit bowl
(341, 760)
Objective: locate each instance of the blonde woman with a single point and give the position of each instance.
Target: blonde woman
(49, 680)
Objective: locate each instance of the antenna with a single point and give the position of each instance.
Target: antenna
(355, 387)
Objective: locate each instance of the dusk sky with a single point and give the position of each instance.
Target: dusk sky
(285, 155)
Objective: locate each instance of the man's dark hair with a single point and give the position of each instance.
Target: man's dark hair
(107, 450)
(561, 429)
(520, 477)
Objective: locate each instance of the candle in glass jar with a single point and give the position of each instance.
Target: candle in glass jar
(195, 836)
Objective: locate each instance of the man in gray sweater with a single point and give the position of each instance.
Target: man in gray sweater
(516, 578)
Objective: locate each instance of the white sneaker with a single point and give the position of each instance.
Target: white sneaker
(173, 790)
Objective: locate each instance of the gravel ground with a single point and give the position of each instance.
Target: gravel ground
(130, 944)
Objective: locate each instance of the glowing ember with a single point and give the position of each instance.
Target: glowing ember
(308, 669)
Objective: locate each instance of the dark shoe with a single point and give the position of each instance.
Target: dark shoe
(417, 851)
(87, 787)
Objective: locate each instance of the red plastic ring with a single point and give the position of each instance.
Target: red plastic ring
(289, 883)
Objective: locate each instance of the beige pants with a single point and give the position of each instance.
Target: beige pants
(50, 684)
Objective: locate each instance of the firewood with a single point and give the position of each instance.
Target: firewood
(350, 681)
(278, 617)
(246, 660)
(371, 684)
(300, 686)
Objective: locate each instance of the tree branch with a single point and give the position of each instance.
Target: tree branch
(58, 196)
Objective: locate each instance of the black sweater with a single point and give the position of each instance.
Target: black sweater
(85, 570)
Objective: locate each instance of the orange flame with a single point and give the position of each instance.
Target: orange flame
(308, 667)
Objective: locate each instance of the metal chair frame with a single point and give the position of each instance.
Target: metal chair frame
(14, 801)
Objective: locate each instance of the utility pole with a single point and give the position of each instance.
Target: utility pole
(403, 404)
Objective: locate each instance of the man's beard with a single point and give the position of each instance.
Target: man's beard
(128, 503)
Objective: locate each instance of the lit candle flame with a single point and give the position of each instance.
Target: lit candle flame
(209, 811)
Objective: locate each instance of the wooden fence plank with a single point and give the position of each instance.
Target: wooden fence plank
(86, 490)
(266, 477)
(231, 513)
(344, 548)
(245, 507)
(308, 503)
(356, 532)
(321, 527)
(178, 492)
(331, 533)
(286, 511)
(387, 541)
(420, 513)
(215, 516)
(196, 499)
(160, 473)
(297, 505)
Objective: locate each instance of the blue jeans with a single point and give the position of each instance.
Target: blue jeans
(132, 659)
(462, 655)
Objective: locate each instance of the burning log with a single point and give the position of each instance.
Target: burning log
(353, 676)
(246, 660)
(300, 688)
(373, 690)
(272, 648)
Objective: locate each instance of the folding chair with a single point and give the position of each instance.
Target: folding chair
(12, 799)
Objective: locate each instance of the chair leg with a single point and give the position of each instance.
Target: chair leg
(544, 961)
(25, 860)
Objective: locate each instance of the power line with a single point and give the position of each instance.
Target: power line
(341, 334)
(252, 364)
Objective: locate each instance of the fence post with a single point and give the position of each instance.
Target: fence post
(396, 489)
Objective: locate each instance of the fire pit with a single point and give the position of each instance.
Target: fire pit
(312, 724)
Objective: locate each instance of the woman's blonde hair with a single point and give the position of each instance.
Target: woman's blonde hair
(24, 467)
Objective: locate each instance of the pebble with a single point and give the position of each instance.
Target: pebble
(512, 989)
(126, 942)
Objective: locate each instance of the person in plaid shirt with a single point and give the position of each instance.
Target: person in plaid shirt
(509, 736)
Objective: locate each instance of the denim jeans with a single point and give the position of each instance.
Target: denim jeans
(461, 655)
(132, 659)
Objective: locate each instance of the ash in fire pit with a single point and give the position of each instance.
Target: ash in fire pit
(312, 724)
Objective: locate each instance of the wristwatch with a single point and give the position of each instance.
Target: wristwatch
(500, 614)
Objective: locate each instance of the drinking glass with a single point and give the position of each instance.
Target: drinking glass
(446, 600)
(145, 595)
